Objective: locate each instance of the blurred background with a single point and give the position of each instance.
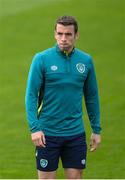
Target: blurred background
(27, 27)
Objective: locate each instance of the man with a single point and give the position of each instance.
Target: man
(58, 79)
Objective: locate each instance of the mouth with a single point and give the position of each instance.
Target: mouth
(63, 44)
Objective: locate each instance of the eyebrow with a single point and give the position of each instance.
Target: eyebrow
(60, 33)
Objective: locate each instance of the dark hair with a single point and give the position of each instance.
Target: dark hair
(66, 21)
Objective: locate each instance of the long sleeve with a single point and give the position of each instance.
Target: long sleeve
(34, 84)
(92, 99)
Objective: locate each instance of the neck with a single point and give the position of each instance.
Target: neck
(69, 50)
(67, 53)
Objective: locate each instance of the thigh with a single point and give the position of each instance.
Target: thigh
(46, 175)
(47, 158)
(74, 152)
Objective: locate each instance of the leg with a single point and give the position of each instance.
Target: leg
(73, 156)
(47, 159)
(72, 173)
(46, 175)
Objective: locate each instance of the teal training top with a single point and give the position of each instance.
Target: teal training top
(58, 81)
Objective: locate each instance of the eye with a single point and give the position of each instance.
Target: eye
(59, 33)
(68, 34)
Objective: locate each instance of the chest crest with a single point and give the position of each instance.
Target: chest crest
(80, 67)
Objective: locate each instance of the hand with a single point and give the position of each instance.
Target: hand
(38, 139)
(94, 141)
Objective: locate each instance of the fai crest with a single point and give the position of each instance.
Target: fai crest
(80, 67)
(43, 163)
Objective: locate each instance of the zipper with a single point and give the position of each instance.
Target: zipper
(68, 68)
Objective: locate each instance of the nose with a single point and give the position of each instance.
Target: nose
(64, 37)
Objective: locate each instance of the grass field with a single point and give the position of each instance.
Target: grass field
(26, 27)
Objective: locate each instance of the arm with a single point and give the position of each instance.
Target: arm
(92, 106)
(34, 84)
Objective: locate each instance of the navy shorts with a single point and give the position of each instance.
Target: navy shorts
(72, 150)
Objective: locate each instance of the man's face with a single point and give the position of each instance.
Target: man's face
(65, 37)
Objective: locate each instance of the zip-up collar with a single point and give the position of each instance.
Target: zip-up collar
(64, 53)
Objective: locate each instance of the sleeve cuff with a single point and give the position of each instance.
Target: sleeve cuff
(96, 130)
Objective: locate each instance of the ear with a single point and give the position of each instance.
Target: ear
(77, 35)
(55, 34)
